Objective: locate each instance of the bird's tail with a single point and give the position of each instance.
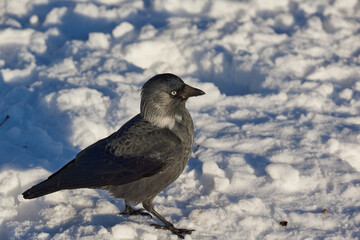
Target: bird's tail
(50, 185)
(41, 189)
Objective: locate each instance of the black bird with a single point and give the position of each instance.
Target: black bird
(143, 157)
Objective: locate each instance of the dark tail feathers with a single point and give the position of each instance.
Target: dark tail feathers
(40, 189)
(50, 185)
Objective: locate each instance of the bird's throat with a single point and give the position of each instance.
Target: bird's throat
(165, 122)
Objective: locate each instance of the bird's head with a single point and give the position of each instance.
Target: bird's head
(163, 99)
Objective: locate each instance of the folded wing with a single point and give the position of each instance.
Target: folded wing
(136, 151)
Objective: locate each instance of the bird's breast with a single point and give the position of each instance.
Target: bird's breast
(184, 129)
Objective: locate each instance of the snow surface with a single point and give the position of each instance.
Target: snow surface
(277, 133)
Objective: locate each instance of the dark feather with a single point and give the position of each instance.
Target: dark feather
(118, 159)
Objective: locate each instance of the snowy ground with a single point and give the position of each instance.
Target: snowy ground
(277, 134)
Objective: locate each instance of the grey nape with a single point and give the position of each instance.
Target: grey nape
(143, 157)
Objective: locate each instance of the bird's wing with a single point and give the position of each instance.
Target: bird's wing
(137, 150)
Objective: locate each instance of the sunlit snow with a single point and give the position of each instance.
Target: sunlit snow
(277, 135)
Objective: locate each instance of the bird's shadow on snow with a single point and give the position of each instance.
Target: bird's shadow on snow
(108, 220)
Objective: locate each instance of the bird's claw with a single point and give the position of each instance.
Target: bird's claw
(177, 231)
(131, 211)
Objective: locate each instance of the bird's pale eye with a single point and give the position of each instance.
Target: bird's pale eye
(173, 93)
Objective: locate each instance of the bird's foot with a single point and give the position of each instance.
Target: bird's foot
(177, 231)
(131, 211)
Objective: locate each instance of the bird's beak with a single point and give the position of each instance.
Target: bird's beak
(189, 91)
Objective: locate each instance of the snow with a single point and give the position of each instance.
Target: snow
(277, 134)
(34, 19)
(55, 16)
(122, 29)
(98, 40)
(284, 176)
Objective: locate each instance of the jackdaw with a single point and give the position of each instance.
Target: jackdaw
(143, 157)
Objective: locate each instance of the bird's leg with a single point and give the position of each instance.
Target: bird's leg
(129, 210)
(167, 225)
